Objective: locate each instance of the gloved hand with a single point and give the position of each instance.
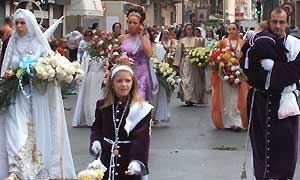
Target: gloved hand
(267, 64)
(134, 168)
(96, 147)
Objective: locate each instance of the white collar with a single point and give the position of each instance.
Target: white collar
(136, 113)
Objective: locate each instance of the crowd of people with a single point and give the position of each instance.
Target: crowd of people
(121, 98)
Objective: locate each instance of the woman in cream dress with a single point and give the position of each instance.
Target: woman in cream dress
(192, 86)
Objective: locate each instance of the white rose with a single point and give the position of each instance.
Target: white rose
(68, 79)
(237, 73)
(236, 81)
(101, 42)
(116, 53)
(226, 78)
(232, 68)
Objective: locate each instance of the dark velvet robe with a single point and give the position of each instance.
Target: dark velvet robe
(274, 141)
(4, 46)
(138, 149)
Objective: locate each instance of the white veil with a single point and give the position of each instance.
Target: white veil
(38, 42)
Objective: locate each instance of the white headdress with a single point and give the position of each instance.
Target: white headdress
(134, 13)
(121, 68)
(18, 46)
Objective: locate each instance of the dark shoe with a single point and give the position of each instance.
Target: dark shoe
(189, 104)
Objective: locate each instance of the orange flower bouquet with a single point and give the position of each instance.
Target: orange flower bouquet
(225, 63)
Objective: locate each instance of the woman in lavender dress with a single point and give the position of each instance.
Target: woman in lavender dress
(138, 47)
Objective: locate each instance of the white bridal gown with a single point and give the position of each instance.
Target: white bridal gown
(37, 140)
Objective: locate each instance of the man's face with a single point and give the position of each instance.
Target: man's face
(278, 24)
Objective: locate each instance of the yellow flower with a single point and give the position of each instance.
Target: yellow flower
(19, 72)
(100, 174)
(86, 178)
(226, 56)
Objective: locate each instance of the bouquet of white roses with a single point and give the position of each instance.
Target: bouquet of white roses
(57, 67)
(33, 72)
(199, 56)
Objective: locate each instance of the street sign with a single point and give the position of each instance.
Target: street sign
(289, 7)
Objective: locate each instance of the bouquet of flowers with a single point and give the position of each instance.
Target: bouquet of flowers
(165, 75)
(103, 46)
(49, 68)
(224, 61)
(199, 56)
(94, 171)
(91, 174)
(57, 67)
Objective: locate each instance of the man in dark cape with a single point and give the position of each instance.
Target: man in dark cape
(271, 63)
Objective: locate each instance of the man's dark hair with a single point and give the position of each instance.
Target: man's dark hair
(279, 10)
(191, 16)
(114, 25)
(236, 25)
(8, 20)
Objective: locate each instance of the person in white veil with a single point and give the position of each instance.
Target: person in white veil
(37, 141)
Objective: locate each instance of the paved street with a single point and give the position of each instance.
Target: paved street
(183, 151)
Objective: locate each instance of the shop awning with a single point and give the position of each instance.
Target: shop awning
(84, 8)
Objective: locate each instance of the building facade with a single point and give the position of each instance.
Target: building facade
(51, 11)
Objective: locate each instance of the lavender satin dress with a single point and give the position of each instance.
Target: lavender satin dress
(143, 68)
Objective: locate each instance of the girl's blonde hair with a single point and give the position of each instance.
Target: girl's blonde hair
(110, 95)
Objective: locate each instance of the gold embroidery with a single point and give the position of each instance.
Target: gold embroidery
(29, 160)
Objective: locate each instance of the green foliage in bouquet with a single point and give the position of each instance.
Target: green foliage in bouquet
(9, 87)
(8, 91)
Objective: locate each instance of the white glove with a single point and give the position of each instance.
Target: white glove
(134, 168)
(96, 147)
(267, 64)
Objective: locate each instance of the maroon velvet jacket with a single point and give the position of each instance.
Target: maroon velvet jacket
(4, 46)
(138, 149)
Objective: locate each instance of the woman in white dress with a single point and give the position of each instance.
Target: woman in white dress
(90, 91)
(36, 133)
(161, 102)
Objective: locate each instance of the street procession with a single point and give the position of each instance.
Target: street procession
(149, 89)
